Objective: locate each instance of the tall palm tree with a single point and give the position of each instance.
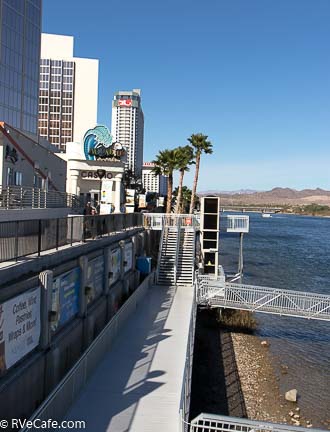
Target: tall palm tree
(184, 157)
(165, 164)
(200, 145)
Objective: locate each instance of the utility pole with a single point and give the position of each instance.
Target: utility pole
(240, 258)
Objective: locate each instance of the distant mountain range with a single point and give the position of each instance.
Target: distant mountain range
(217, 192)
(275, 196)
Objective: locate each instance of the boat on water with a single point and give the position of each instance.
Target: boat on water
(266, 215)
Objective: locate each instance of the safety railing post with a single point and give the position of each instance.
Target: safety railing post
(71, 231)
(8, 197)
(16, 239)
(84, 229)
(57, 232)
(21, 197)
(39, 236)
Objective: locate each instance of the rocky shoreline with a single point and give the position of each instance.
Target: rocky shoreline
(259, 383)
(233, 375)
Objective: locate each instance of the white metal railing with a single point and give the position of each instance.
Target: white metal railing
(187, 374)
(209, 286)
(22, 197)
(157, 221)
(216, 423)
(217, 293)
(238, 223)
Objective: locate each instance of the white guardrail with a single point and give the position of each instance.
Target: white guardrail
(186, 384)
(216, 423)
(21, 197)
(238, 223)
(218, 293)
(157, 221)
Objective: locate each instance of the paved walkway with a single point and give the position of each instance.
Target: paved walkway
(137, 387)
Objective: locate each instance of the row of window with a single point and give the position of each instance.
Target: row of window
(14, 178)
(67, 100)
(53, 116)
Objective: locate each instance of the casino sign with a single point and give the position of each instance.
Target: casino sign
(98, 145)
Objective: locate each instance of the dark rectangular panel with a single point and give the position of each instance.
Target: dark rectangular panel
(211, 205)
(211, 221)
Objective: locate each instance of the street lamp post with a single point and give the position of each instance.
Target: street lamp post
(101, 174)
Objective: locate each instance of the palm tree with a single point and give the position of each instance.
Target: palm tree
(165, 163)
(200, 145)
(184, 157)
(185, 199)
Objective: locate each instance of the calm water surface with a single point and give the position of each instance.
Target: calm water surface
(291, 252)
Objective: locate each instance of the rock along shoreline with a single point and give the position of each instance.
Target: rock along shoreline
(233, 375)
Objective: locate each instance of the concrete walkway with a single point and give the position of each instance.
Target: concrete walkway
(138, 385)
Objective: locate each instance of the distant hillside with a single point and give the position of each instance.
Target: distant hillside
(276, 196)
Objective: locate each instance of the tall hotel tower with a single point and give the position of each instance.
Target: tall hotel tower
(128, 127)
(20, 24)
(68, 91)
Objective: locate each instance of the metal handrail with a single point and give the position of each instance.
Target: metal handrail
(217, 293)
(186, 383)
(176, 259)
(22, 197)
(238, 223)
(160, 253)
(157, 221)
(22, 238)
(216, 423)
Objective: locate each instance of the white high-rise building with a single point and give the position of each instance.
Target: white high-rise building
(152, 182)
(127, 127)
(68, 91)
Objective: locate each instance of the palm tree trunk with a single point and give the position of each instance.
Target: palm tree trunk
(179, 197)
(194, 188)
(169, 193)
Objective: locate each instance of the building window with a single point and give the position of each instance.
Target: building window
(10, 177)
(18, 178)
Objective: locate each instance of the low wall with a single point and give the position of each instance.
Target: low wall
(60, 400)
(85, 289)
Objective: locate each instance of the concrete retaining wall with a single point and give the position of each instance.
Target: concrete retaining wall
(26, 384)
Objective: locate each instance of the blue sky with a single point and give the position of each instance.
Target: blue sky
(253, 75)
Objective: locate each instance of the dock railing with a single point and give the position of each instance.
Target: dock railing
(22, 197)
(157, 221)
(217, 423)
(218, 293)
(22, 238)
(184, 411)
(238, 223)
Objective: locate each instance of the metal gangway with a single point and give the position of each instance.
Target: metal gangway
(216, 293)
(216, 423)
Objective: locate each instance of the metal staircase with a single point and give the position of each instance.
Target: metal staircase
(167, 258)
(176, 256)
(186, 257)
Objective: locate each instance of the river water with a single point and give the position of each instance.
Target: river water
(291, 252)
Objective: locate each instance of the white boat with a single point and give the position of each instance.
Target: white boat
(266, 215)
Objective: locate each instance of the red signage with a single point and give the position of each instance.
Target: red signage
(125, 102)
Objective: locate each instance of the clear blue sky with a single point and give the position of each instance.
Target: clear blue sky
(254, 75)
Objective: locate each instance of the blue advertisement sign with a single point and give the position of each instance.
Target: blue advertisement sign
(95, 278)
(65, 301)
(98, 145)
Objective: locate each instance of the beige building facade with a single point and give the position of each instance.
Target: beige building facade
(68, 91)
